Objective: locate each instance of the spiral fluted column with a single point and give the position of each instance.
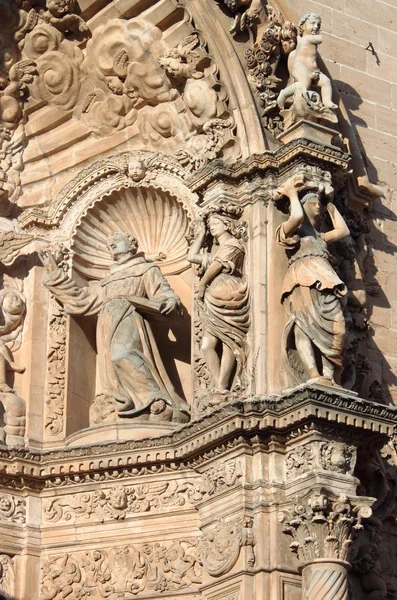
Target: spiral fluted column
(325, 579)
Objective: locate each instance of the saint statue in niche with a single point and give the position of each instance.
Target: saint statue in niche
(133, 379)
(312, 292)
(223, 296)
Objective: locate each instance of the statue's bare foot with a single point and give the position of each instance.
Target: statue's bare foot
(17, 369)
(330, 105)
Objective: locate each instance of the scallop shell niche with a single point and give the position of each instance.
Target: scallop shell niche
(155, 217)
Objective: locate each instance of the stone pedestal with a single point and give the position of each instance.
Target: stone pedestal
(311, 131)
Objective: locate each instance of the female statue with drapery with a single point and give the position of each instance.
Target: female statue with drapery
(312, 292)
(133, 378)
(223, 296)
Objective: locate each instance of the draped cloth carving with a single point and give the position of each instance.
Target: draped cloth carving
(133, 377)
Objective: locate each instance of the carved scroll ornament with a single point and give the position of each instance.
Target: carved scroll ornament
(219, 549)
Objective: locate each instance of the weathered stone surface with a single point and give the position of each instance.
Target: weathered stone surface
(153, 442)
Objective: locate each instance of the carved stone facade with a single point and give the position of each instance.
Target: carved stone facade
(196, 391)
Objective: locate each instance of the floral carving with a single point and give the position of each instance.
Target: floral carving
(161, 567)
(299, 460)
(56, 365)
(277, 40)
(120, 502)
(220, 477)
(121, 571)
(12, 508)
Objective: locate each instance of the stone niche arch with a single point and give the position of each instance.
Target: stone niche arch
(144, 194)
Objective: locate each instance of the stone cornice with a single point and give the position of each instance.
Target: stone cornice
(239, 423)
(269, 162)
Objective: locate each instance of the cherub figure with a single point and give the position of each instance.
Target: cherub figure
(302, 64)
(12, 305)
(60, 14)
(182, 62)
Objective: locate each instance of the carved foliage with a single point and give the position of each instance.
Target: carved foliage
(276, 40)
(56, 366)
(120, 572)
(12, 509)
(323, 527)
(330, 456)
(120, 502)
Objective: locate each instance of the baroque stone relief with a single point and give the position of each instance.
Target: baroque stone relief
(133, 378)
(222, 300)
(125, 75)
(7, 575)
(13, 309)
(327, 455)
(12, 509)
(312, 291)
(275, 40)
(161, 567)
(120, 502)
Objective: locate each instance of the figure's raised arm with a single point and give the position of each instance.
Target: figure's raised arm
(199, 233)
(290, 189)
(340, 230)
(75, 299)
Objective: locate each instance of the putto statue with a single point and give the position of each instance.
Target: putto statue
(305, 74)
(223, 296)
(315, 332)
(133, 379)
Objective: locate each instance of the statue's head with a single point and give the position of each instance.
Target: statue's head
(311, 205)
(58, 8)
(136, 169)
(122, 244)
(13, 303)
(226, 217)
(310, 23)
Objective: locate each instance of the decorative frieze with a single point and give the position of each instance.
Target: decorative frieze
(122, 571)
(120, 502)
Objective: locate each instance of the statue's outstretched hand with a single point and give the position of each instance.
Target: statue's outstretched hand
(170, 306)
(48, 260)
